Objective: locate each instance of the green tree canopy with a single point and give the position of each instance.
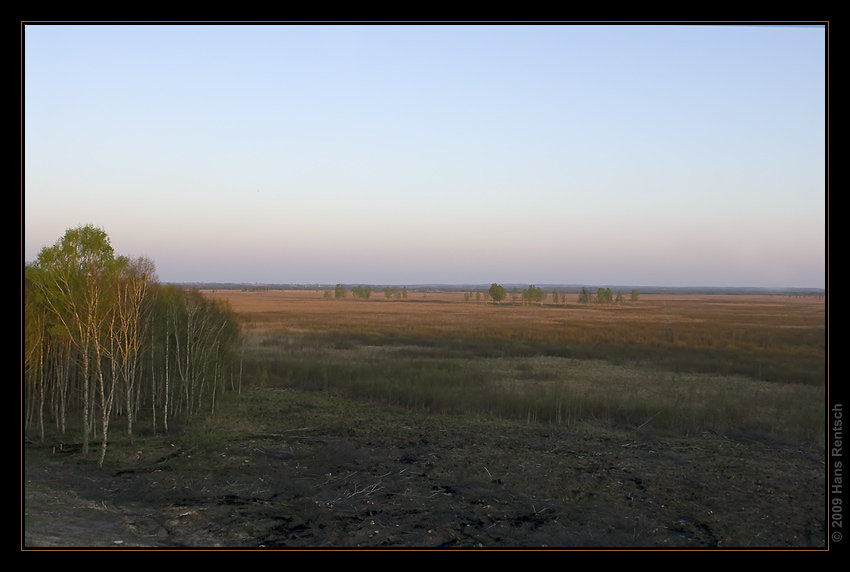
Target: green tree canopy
(363, 292)
(533, 295)
(497, 292)
(74, 277)
(103, 338)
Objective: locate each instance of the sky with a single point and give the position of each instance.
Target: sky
(662, 155)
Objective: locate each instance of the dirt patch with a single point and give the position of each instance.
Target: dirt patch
(321, 471)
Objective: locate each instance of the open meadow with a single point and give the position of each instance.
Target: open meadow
(442, 421)
(724, 363)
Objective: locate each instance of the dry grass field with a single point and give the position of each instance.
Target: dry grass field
(749, 322)
(747, 363)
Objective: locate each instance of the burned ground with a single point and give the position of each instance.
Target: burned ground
(315, 470)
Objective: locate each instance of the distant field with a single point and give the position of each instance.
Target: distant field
(767, 325)
(753, 363)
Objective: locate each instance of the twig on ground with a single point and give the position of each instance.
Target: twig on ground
(648, 420)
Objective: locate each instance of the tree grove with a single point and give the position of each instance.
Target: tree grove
(104, 339)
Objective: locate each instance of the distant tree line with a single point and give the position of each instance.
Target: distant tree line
(365, 292)
(362, 292)
(605, 296)
(531, 295)
(535, 295)
(102, 339)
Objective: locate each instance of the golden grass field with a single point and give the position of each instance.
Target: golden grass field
(743, 322)
(744, 362)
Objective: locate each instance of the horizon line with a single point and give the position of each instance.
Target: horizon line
(486, 284)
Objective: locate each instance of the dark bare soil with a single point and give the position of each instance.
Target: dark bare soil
(310, 470)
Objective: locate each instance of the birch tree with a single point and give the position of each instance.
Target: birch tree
(132, 306)
(36, 352)
(73, 278)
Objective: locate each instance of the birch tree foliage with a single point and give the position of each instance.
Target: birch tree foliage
(73, 277)
(104, 340)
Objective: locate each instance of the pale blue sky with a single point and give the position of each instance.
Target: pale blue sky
(582, 154)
